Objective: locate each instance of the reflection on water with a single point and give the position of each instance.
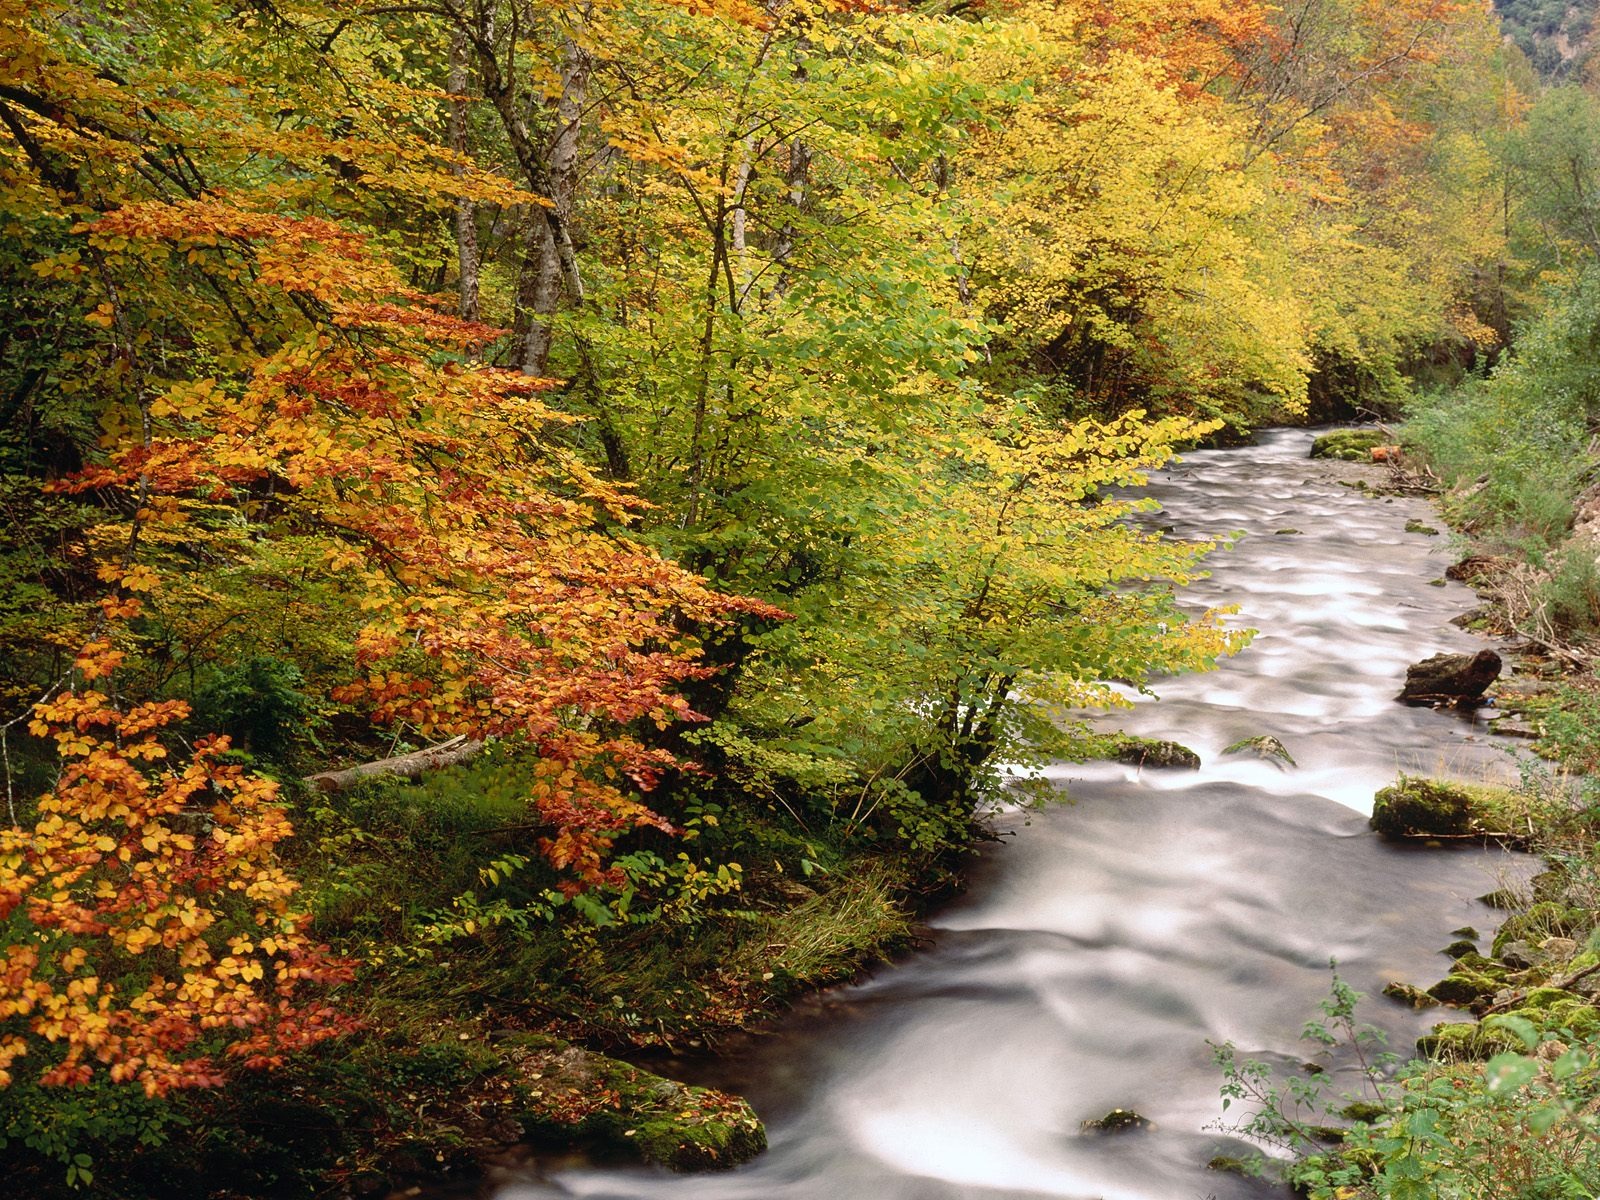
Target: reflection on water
(1102, 946)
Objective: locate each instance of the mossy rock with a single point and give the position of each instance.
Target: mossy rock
(1463, 988)
(1416, 526)
(572, 1096)
(1459, 949)
(1348, 445)
(1545, 919)
(1470, 932)
(1501, 898)
(1482, 965)
(1469, 1041)
(1118, 1120)
(1363, 1110)
(1408, 994)
(1233, 1164)
(1262, 746)
(1551, 1010)
(1552, 883)
(1415, 807)
(1152, 752)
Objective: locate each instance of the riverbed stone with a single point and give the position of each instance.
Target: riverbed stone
(1348, 445)
(1409, 994)
(1233, 1164)
(1152, 752)
(1559, 948)
(1544, 920)
(1118, 1120)
(1450, 678)
(1414, 807)
(571, 1095)
(1519, 955)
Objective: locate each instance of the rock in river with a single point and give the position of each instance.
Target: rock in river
(1450, 678)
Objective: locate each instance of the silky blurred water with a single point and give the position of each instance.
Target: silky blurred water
(1100, 947)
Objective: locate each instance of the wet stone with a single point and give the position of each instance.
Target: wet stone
(1118, 1120)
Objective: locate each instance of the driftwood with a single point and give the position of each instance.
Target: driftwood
(410, 766)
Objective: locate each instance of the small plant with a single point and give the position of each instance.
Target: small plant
(1521, 1126)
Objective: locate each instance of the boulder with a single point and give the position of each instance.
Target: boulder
(1348, 445)
(1149, 752)
(1450, 678)
(1520, 956)
(1408, 994)
(1415, 807)
(566, 1095)
(1118, 1120)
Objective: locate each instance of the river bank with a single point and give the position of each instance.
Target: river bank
(1103, 943)
(1099, 947)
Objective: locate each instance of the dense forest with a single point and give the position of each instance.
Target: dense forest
(555, 519)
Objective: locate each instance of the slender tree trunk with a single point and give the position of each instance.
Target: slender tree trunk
(797, 176)
(542, 284)
(467, 256)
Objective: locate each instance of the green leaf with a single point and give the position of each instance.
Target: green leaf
(1508, 1072)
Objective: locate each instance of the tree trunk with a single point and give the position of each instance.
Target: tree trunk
(467, 256)
(408, 766)
(541, 291)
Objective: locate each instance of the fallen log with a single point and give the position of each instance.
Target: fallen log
(407, 766)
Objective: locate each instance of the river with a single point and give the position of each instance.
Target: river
(1105, 941)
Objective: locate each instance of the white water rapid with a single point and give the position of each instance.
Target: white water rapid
(1102, 945)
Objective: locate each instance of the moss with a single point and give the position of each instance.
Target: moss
(1473, 961)
(1415, 526)
(1467, 1041)
(566, 1094)
(1552, 1010)
(1118, 1120)
(1544, 920)
(1151, 752)
(1408, 994)
(1464, 987)
(1459, 949)
(1414, 807)
(1348, 445)
(1363, 1110)
(1262, 746)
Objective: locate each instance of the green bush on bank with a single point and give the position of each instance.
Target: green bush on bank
(1516, 446)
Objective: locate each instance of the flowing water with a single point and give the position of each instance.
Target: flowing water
(1101, 946)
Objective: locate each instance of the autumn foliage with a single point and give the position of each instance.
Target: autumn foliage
(723, 411)
(150, 932)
